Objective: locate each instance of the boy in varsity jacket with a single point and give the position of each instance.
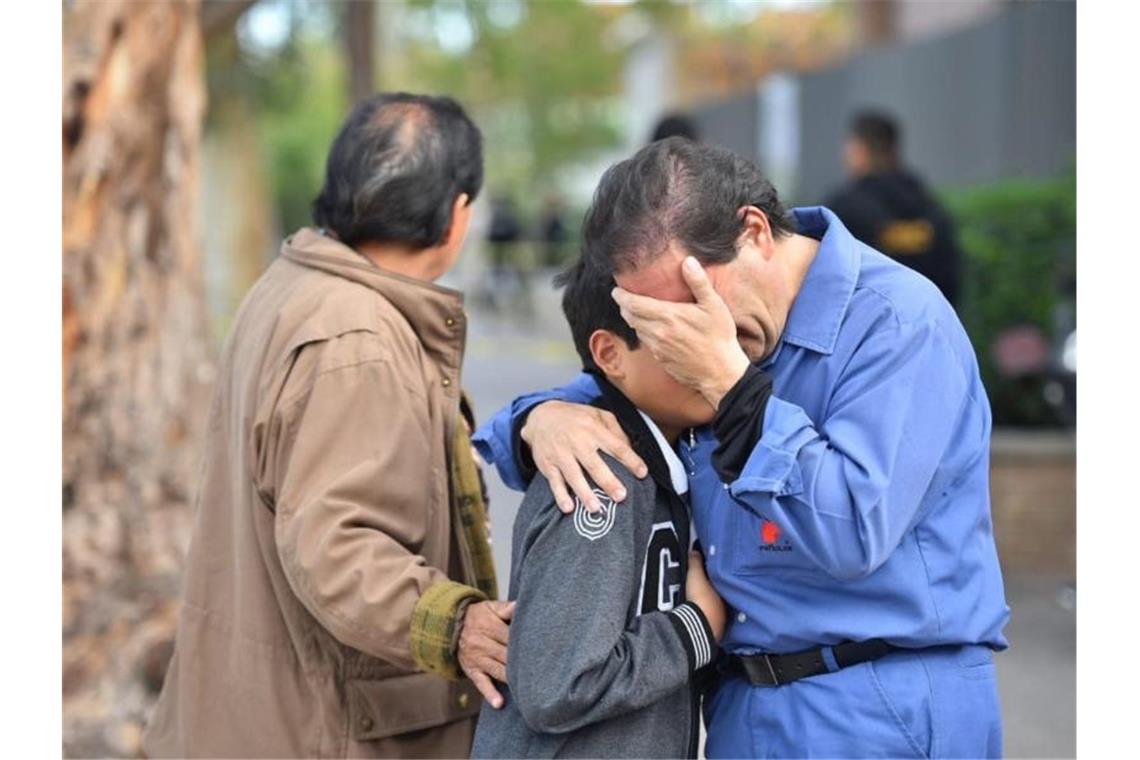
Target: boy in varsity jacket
(615, 614)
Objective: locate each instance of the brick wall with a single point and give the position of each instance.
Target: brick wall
(1033, 492)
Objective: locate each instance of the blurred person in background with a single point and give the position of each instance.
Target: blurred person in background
(888, 207)
(505, 237)
(675, 125)
(552, 231)
(339, 579)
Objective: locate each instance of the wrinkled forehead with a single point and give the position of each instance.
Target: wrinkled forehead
(658, 278)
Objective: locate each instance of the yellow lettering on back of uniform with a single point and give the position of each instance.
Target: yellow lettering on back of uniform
(909, 237)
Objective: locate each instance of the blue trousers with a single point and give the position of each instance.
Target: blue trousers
(934, 703)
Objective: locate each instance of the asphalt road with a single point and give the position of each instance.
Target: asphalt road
(517, 350)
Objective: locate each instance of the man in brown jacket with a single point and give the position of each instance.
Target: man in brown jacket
(339, 584)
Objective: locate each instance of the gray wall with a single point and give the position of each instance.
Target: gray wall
(992, 101)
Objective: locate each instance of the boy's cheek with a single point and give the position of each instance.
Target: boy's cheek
(699, 410)
(659, 392)
(686, 403)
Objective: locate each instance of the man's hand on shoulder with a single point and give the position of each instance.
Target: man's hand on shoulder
(482, 651)
(565, 440)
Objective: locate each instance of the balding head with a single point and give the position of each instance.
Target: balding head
(396, 168)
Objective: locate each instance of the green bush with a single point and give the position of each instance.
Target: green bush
(1018, 241)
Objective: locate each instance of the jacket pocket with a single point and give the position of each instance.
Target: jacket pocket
(976, 663)
(381, 708)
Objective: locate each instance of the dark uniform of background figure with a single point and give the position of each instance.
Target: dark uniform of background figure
(509, 283)
(889, 208)
(552, 231)
(504, 233)
(675, 125)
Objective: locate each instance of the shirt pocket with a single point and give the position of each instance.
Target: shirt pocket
(760, 545)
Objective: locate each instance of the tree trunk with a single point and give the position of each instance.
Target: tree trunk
(359, 21)
(134, 354)
(878, 23)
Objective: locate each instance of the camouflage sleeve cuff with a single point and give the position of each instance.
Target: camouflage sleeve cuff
(435, 627)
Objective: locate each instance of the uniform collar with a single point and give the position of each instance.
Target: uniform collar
(818, 310)
(645, 437)
(435, 313)
(677, 474)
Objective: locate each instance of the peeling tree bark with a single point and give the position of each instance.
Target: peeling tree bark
(136, 371)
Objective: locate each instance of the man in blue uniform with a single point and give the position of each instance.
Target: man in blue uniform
(841, 494)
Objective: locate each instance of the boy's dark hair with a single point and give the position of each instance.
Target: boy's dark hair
(395, 169)
(588, 306)
(880, 133)
(676, 190)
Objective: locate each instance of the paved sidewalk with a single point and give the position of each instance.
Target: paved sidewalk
(1038, 673)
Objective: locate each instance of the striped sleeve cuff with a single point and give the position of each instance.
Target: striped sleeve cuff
(695, 632)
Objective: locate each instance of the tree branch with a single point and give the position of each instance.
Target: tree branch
(220, 15)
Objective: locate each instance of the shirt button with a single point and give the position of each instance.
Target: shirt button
(446, 382)
(450, 321)
(712, 550)
(741, 618)
(365, 723)
(463, 700)
(725, 485)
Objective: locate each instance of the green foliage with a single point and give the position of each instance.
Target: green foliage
(298, 132)
(1019, 246)
(295, 97)
(544, 79)
(540, 86)
(540, 80)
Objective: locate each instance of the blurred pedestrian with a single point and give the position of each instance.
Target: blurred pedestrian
(509, 272)
(676, 125)
(338, 579)
(552, 231)
(888, 207)
(505, 230)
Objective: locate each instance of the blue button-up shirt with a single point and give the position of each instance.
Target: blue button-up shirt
(864, 509)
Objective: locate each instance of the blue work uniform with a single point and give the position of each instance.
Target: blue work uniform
(863, 512)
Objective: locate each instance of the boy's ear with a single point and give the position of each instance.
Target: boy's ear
(607, 353)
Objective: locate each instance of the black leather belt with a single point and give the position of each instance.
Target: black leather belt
(780, 669)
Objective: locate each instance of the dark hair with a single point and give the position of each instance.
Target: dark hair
(880, 133)
(588, 306)
(676, 125)
(676, 190)
(396, 168)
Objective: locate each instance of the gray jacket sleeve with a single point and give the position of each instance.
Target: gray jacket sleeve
(574, 658)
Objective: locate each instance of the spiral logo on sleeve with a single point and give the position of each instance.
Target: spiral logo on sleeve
(597, 524)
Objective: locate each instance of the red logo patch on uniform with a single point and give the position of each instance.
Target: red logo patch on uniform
(769, 532)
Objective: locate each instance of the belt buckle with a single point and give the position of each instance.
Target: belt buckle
(771, 670)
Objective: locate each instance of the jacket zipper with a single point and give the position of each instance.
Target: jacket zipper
(694, 691)
(689, 455)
